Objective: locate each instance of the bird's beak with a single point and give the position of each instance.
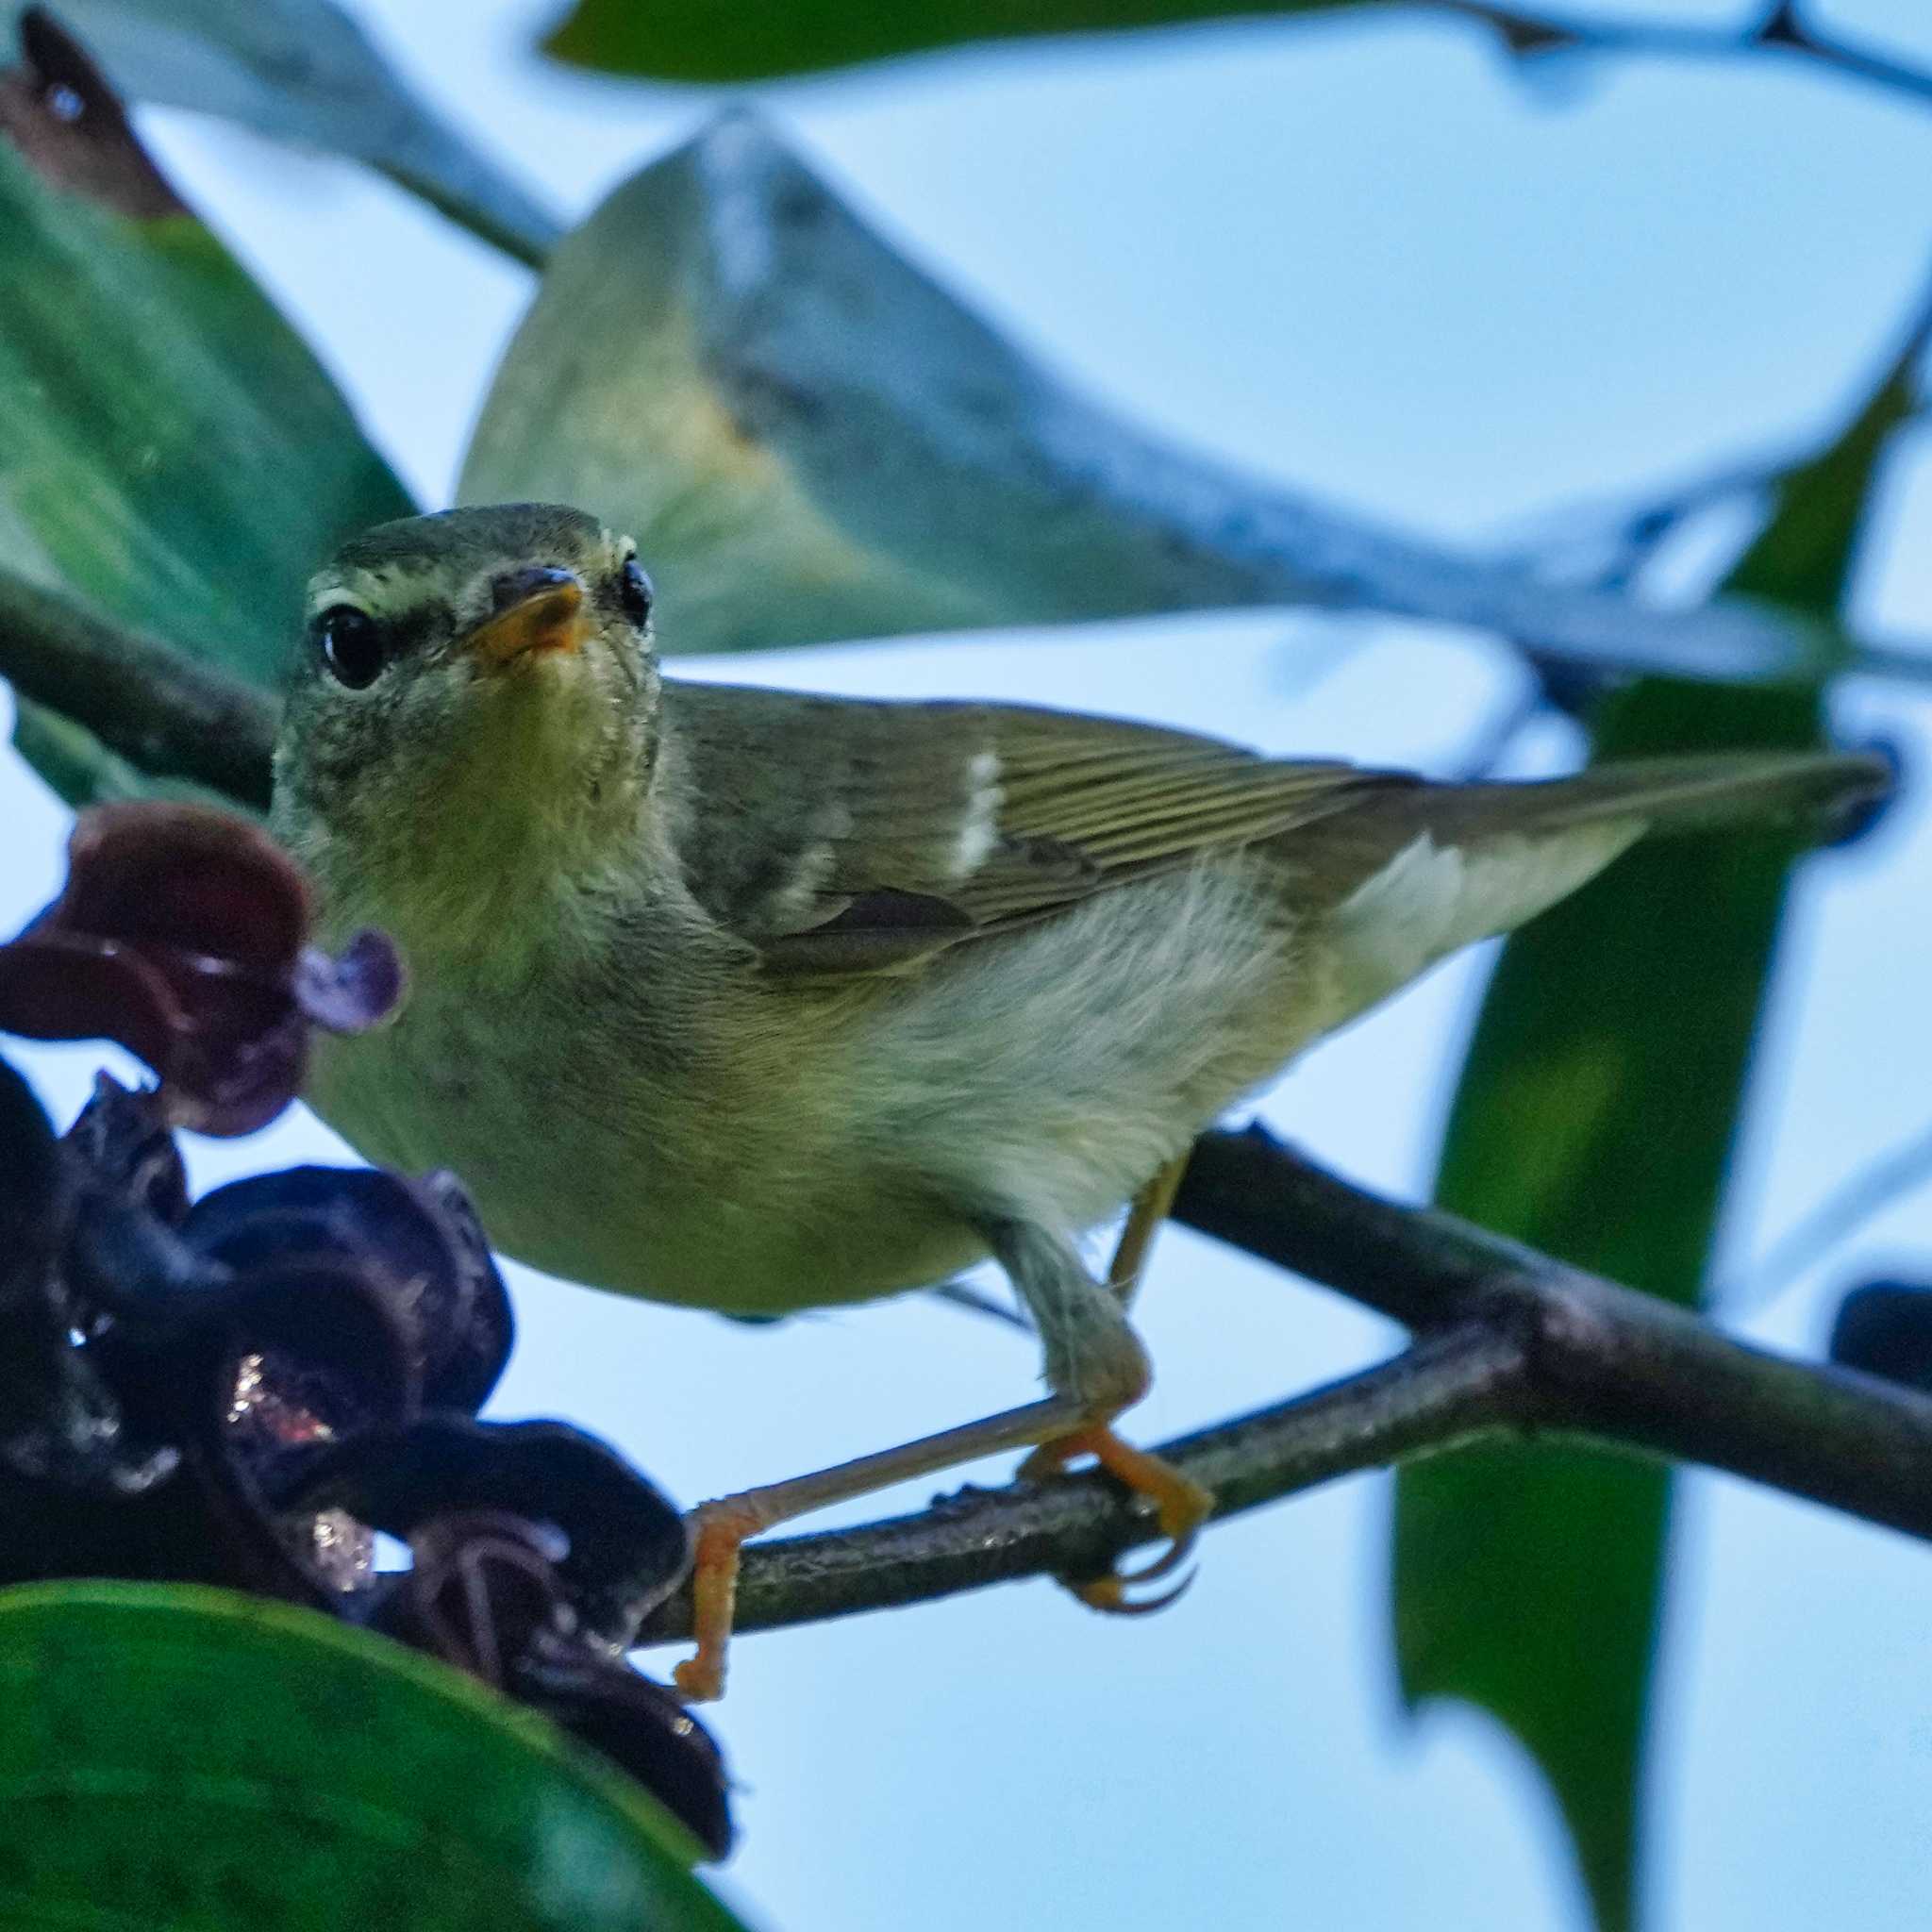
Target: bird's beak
(538, 611)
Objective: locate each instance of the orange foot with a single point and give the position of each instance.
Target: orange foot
(1181, 1507)
(720, 1531)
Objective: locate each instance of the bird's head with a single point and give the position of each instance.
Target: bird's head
(475, 695)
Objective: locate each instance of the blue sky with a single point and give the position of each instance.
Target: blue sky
(1371, 260)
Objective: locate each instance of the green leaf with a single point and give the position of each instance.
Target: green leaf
(302, 71)
(170, 450)
(811, 439)
(757, 39)
(182, 1757)
(1595, 1120)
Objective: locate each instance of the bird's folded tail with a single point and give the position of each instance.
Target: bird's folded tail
(1682, 794)
(1410, 875)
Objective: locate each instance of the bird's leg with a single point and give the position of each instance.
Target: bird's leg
(721, 1528)
(1144, 1222)
(1124, 1274)
(1092, 1352)
(1096, 1366)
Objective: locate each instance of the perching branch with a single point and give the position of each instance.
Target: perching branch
(1601, 1362)
(1508, 1342)
(172, 716)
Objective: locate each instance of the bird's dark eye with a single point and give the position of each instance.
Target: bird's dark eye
(352, 646)
(634, 588)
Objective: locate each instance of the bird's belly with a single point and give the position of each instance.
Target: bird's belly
(813, 1147)
(650, 1205)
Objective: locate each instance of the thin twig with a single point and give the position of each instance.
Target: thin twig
(1606, 543)
(170, 716)
(1507, 1341)
(1782, 32)
(1499, 731)
(978, 1301)
(1898, 1172)
(1622, 540)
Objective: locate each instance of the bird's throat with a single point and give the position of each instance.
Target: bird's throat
(484, 855)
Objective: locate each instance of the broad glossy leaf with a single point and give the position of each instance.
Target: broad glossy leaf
(756, 39)
(811, 439)
(178, 1755)
(1595, 1120)
(170, 449)
(303, 70)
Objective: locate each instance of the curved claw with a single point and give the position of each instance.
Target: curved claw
(1109, 1594)
(1181, 1504)
(1170, 1559)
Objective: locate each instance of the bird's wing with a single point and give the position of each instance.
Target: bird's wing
(843, 836)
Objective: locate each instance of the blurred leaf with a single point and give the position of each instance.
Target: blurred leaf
(170, 450)
(1595, 1120)
(757, 39)
(303, 70)
(811, 441)
(171, 1755)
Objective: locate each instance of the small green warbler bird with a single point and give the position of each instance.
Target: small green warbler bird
(760, 1001)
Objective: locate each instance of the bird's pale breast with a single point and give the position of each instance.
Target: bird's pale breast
(822, 1144)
